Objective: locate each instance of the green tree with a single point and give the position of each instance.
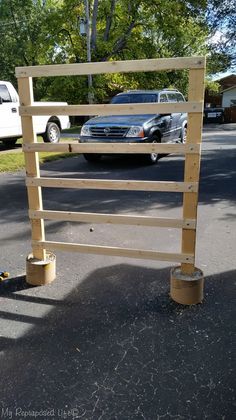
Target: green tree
(46, 32)
(25, 34)
(221, 18)
(122, 30)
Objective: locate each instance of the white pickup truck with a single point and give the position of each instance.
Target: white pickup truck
(49, 127)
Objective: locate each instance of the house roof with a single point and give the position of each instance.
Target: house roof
(229, 88)
(232, 75)
(227, 82)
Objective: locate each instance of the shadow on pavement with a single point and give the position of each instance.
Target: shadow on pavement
(9, 147)
(218, 180)
(118, 348)
(12, 285)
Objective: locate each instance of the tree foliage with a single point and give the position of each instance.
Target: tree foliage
(221, 18)
(46, 31)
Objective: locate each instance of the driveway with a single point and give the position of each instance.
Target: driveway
(104, 341)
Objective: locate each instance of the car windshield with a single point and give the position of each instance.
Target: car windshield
(134, 98)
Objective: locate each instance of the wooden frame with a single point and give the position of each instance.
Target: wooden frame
(191, 150)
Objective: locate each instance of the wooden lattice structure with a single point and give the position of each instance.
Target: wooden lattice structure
(191, 150)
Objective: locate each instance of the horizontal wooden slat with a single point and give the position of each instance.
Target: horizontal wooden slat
(104, 184)
(112, 109)
(112, 148)
(115, 251)
(111, 67)
(112, 219)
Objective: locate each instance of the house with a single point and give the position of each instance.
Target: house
(226, 94)
(229, 97)
(225, 99)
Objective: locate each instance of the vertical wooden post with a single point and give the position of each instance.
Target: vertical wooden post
(25, 87)
(192, 165)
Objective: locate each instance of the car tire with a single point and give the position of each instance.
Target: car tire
(152, 158)
(92, 157)
(52, 133)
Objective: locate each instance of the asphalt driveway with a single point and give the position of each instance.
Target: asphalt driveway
(104, 341)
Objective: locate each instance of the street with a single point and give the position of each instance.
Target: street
(104, 340)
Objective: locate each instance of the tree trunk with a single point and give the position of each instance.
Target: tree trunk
(94, 25)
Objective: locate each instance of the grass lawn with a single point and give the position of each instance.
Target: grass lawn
(13, 161)
(10, 162)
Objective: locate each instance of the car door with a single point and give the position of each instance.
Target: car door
(175, 116)
(9, 117)
(166, 122)
(182, 116)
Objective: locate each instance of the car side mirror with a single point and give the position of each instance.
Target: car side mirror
(1, 101)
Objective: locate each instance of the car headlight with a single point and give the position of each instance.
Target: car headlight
(85, 130)
(135, 131)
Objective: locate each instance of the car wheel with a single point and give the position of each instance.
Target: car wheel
(92, 157)
(52, 133)
(183, 136)
(9, 142)
(152, 158)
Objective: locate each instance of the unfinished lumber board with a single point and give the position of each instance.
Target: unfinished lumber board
(156, 64)
(114, 251)
(112, 109)
(32, 165)
(72, 147)
(112, 219)
(104, 184)
(192, 165)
